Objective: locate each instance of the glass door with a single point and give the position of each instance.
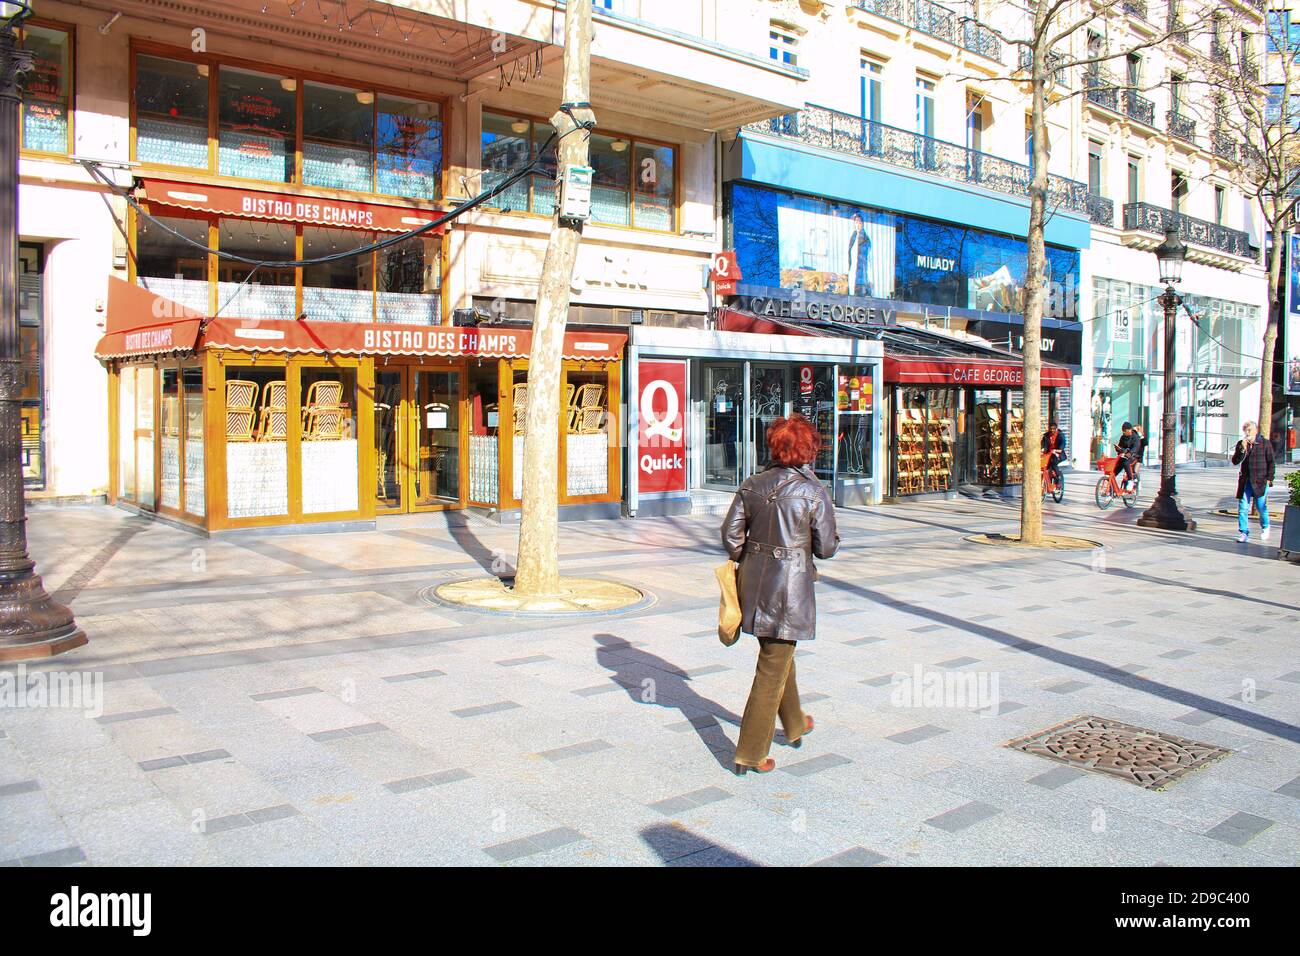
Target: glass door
(436, 437)
(390, 392)
(724, 393)
(769, 399)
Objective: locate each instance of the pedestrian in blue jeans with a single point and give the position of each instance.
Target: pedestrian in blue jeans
(1255, 455)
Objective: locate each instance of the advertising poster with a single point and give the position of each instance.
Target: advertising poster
(661, 426)
(1291, 327)
(798, 242)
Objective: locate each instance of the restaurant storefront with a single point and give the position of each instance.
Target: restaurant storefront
(226, 423)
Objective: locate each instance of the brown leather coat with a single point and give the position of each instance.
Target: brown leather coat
(779, 521)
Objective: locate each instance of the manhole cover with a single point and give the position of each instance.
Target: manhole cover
(1147, 758)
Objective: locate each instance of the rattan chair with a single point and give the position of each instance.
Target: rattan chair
(324, 415)
(273, 423)
(241, 409)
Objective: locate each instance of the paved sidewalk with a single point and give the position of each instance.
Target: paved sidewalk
(280, 699)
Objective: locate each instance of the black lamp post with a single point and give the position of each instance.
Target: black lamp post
(31, 624)
(1164, 512)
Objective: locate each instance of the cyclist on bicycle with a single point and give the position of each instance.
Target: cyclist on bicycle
(1055, 445)
(1130, 450)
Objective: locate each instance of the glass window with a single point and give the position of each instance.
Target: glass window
(654, 188)
(485, 421)
(192, 406)
(258, 125)
(47, 90)
(329, 440)
(870, 94)
(854, 401)
(988, 437)
(169, 266)
(925, 106)
(587, 432)
(31, 331)
(169, 438)
(171, 112)
(409, 147)
(437, 436)
(338, 133)
(271, 293)
(543, 182)
(342, 290)
(409, 278)
(610, 158)
(144, 437)
(257, 431)
(782, 46)
(505, 147)
(126, 432)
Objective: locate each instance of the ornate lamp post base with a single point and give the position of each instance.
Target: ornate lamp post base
(32, 625)
(1165, 512)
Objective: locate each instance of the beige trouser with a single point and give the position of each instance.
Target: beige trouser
(774, 692)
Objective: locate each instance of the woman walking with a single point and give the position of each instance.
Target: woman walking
(779, 521)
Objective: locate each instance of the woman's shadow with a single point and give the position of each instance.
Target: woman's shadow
(652, 680)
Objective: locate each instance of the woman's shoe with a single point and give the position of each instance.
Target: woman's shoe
(808, 728)
(767, 766)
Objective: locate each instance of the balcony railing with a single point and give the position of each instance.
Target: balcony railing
(1223, 145)
(1101, 210)
(1181, 126)
(1140, 108)
(938, 21)
(845, 133)
(1154, 219)
(1177, 29)
(1101, 90)
(1054, 61)
(1250, 70)
(1137, 8)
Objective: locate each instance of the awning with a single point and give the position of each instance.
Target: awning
(141, 323)
(283, 207)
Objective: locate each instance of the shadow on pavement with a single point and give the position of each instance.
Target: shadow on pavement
(1087, 665)
(1215, 592)
(678, 846)
(668, 687)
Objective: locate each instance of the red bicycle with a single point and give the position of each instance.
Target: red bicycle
(1110, 487)
(1051, 484)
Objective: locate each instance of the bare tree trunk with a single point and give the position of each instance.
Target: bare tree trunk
(1031, 497)
(1275, 260)
(537, 571)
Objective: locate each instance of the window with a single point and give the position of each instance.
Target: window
(1177, 191)
(1176, 83)
(782, 44)
(47, 90)
(342, 290)
(1273, 103)
(271, 293)
(872, 71)
(1220, 195)
(328, 403)
(1134, 179)
(407, 280)
(1134, 66)
(925, 106)
(171, 112)
(257, 125)
(31, 332)
(1244, 45)
(634, 183)
(1279, 29)
(976, 120)
(168, 266)
(351, 138)
(1094, 168)
(1029, 141)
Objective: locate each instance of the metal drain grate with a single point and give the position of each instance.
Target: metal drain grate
(1147, 758)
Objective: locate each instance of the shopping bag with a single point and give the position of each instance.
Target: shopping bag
(729, 605)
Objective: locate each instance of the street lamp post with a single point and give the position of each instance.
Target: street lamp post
(1164, 512)
(32, 625)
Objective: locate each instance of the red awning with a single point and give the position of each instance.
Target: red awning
(141, 323)
(283, 207)
(969, 371)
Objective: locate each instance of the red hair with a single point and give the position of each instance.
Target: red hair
(793, 441)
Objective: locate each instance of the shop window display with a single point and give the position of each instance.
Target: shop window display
(169, 437)
(192, 408)
(170, 267)
(328, 429)
(408, 278)
(126, 432)
(988, 437)
(342, 290)
(271, 293)
(1015, 438)
(485, 422)
(587, 430)
(257, 421)
(47, 90)
(854, 400)
(257, 125)
(171, 117)
(145, 382)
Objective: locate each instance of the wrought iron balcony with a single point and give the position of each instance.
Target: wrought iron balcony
(1101, 90)
(938, 21)
(1140, 108)
(1223, 145)
(1137, 8)
(1101, 210)
(1180, 126)
(845, 133)
(1177, 29)
(1250, 70)
(1145, 217)
(1054, 61)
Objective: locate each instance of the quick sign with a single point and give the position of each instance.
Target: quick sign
(725, 273)
(661, 426)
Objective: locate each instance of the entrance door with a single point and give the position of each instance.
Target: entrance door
(724, 390)
(769, 399)
(418, 439)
